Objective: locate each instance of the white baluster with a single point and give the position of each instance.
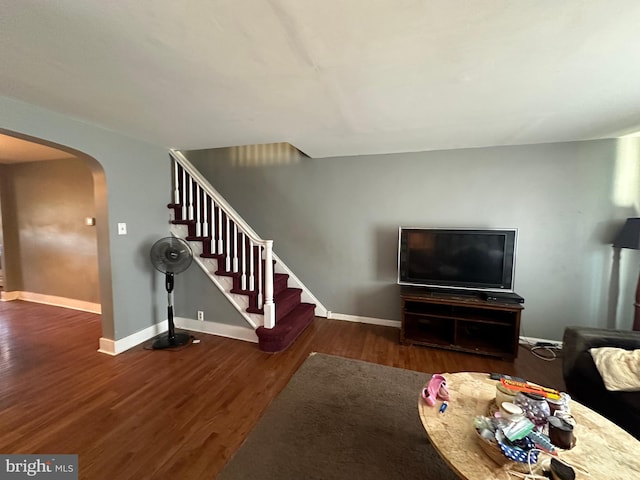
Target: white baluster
(260, 278)
(235, 248)
(190, 213)
(215, 227)
(205, 218)
(243, 277)
(269, 306)
(220, 249)
(198, 212)
(227, 263)
(184, 194)
(251, 267)
(176, 183)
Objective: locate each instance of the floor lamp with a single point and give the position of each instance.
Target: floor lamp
(629, 237)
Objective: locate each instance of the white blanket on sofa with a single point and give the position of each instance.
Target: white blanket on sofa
(619, 368)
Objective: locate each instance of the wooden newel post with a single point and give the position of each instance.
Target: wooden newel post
(269, 306)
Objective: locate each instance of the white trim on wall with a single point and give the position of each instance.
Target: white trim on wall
(531, 341)
(247, 334)
(52, 300)
(398, 324)
(359, 319)
(9, 296)
(115, 347)
(221, 329)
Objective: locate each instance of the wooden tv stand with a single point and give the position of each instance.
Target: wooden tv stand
(460, 322)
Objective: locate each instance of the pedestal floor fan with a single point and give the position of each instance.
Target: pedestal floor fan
(171, 256)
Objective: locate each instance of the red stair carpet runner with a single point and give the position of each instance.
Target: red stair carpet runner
(292, 315)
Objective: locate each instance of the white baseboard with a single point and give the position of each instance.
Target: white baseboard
(115, 347)
(397, 324)
(52, 300)
(359, 319)
(247, 334)
(9, 296)
(534, 340)
(107, 346)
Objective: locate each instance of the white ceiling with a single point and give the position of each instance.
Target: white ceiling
(331, 77)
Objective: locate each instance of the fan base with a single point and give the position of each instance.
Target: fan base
(179, 340)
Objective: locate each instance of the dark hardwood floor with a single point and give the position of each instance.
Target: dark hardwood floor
(174, 414)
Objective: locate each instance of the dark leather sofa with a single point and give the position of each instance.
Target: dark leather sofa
(583, 380)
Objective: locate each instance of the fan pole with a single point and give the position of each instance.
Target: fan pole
(172, 339)
(169, 286)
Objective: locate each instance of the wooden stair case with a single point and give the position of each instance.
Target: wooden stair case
(241, 259)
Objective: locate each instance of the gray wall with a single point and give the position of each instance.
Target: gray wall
(334, 221)
(195, 291)
(132, 185)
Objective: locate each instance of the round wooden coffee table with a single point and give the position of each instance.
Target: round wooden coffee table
(606, 450)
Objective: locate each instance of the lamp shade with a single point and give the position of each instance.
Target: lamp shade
(629, 236)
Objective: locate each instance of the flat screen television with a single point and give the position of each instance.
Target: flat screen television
(466, 259)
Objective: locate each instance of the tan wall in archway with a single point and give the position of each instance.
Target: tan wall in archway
(52, 249)
(49, 249)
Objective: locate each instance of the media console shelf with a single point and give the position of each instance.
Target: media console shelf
(460, 322)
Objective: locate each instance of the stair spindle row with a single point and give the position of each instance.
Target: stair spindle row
(247, 259)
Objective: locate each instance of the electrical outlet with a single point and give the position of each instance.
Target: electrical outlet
(200, 315)
(122, 228)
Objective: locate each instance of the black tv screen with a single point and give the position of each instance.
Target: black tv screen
(457, 258)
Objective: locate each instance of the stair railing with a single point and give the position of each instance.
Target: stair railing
(229, 236)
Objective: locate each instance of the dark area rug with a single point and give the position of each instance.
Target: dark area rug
(341, 419)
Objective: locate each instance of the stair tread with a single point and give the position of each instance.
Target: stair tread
(287, 330)
(293, 319)
(287, 292)
(224, 273)
(286, 301)
(248, 293)
(300, 308)
(280, 282)
(211, 255)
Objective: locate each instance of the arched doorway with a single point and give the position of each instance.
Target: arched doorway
(54, 228)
